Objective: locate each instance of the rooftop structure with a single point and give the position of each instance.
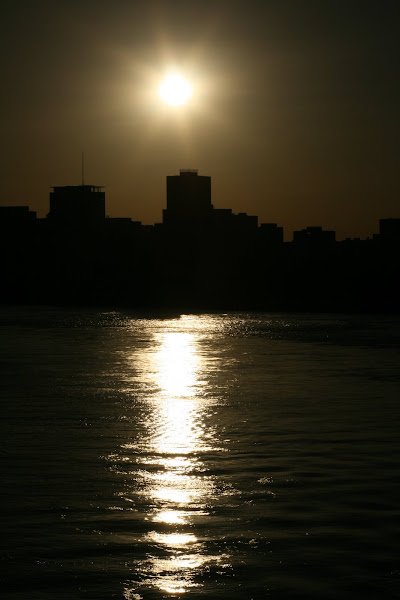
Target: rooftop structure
(79, 204)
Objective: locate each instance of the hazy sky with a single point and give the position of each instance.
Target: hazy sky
(295, 111)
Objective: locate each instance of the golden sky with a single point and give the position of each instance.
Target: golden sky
(294, 112)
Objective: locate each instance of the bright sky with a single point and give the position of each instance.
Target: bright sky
(294, 110)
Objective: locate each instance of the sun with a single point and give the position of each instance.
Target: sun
(175, 90)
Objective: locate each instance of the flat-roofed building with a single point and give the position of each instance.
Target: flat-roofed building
(16, 215)
(77, 204)
(188, 199)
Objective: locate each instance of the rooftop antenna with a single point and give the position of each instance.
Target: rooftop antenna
(83, 172)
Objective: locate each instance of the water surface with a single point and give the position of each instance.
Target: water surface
(199, 456)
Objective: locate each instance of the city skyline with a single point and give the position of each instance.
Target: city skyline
(90, 190)
(200, 257)
(293, 113)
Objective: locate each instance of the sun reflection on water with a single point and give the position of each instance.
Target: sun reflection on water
(172, 477)
(178, 365)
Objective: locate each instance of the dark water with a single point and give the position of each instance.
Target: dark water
(212, 456)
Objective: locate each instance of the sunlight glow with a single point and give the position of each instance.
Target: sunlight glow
(175, 495)
(177, 364)
(171, 517)
(172, 475)
(172, 540)
(175, 90)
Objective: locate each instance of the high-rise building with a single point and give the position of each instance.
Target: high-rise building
(188, 199)
(77, 204)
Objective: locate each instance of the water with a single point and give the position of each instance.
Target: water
(209, 456)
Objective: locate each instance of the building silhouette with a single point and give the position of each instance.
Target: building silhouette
(188, 199)
(189, 207)
(199, 257)
(389, 229)
(16, 215)
(271, 235)
(315, 236)
(77, 205)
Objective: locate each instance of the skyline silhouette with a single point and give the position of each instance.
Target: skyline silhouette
(293, 110)
(199, 257)
(66, 202)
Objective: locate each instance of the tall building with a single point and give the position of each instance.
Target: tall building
(389, 229)
(77, 204)
(188, 199)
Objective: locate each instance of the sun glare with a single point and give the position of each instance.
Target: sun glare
(175, 90)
